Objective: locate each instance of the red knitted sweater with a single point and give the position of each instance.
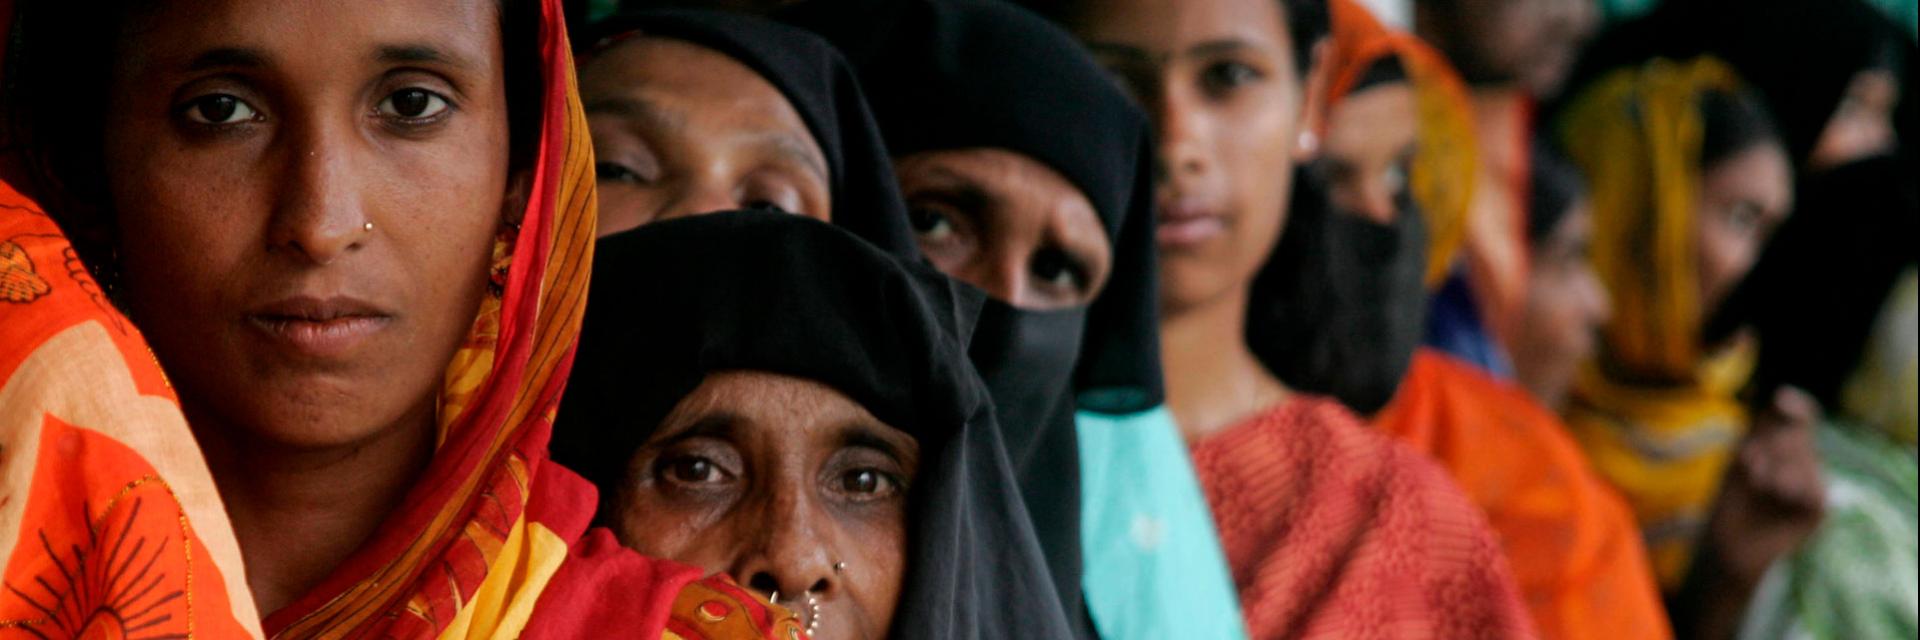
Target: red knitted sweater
(1333, 530)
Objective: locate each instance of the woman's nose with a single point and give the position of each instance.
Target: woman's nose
(793, 558)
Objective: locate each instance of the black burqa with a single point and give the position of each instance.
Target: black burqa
(677, 300)
(963, 75)
(819, 84)
(1340, 306)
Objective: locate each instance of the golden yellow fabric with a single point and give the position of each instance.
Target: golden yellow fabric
(504, 602)
(1658, 416)
(1636, 134)
(1665, 449)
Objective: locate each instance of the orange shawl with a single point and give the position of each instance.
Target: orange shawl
(1572, 541)
(1332, 530)
(108, 515)
(1442, 175)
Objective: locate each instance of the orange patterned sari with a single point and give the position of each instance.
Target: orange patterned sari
(108, 514)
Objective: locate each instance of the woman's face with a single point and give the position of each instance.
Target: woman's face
(1371, 138)
(305, 197)
(1533, 43)
(680, 129)
(784, 484)
(1008, 224)
(1862, 125)
(1220, 81)
(1565, 307)
(1742, 199)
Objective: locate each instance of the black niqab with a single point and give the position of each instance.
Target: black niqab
(965, 75)
(1340, 306)
(678, 300)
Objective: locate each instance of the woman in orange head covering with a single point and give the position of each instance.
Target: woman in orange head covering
(1572, 544)
(368, 299)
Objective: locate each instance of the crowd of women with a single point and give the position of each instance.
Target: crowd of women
(958, 319)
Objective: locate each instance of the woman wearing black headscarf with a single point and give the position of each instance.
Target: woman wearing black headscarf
(794, 407)
(698, 111)
(1828, 70)
(1027, 173)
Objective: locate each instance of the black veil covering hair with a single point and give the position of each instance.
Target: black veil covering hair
(680, 299)
(1800, 55)
(1340, 306)
(819, 84)
(964, 75)
(1817, 289)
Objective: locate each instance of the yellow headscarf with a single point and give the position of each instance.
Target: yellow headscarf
(1658, 416)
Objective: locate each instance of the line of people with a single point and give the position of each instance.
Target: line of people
(956, 319)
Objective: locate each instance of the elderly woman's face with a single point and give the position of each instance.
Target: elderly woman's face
(1006, 223)
(1220, 79)
(680, 129)
(305, 196)
(784, 484)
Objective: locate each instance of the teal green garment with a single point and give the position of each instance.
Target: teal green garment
(1152, 567)
(1857, 576)
(1904, 12)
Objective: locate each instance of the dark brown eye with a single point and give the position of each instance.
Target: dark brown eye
(868, 484)
(219, 108)
(1057, 270)
(930, 223)
(862, 481)
(1221, 77)
(693, 470)
(413, 104)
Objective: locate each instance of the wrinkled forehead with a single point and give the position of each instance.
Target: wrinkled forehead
(777, 409)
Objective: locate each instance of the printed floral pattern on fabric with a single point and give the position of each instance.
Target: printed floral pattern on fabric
(108, 514)
(20, 283)
(124, 571)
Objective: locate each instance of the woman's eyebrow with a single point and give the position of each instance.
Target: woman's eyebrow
(799, 150)
(415, 53)
(866, 434)
(228, 57)
(957, 190)
(639, 109)
(718, 425)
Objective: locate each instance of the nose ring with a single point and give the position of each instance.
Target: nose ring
(368, 227)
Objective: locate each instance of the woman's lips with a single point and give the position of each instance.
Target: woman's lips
(319, 328)
(1184, 224)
